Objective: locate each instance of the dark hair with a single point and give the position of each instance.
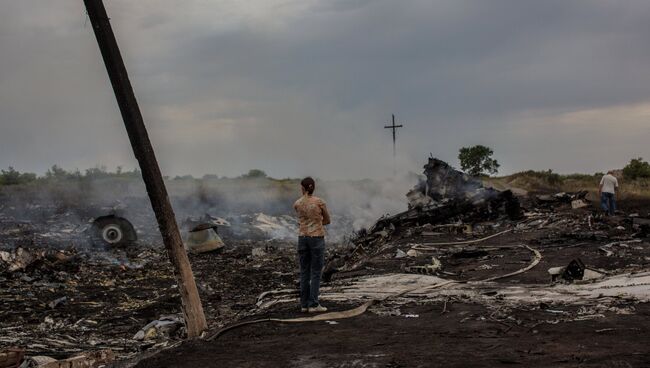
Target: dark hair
(308, 184)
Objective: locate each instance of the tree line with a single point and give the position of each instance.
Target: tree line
(478, 161)
(11, 176)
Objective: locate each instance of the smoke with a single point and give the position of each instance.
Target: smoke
(364, 201)
(58, 213)
(352, 204)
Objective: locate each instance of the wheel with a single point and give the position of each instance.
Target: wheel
(113, 231)
(112, 234)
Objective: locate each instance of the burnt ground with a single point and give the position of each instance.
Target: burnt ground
(459, 332)
(110, 297)
(465, 336)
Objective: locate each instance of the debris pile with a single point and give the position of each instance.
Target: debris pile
(523, 261)
(448, 195)
(62, 303)
(446, 198)
(37, 260)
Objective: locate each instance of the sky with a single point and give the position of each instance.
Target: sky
(305, 87)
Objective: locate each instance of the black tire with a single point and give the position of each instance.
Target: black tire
(113, 231)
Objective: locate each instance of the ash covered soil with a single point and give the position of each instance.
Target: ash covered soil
(452, 330)
(460, 280)
(106, 303)
(465, 336)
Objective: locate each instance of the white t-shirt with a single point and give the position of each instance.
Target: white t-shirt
(609, 183)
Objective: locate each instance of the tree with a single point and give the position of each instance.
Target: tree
(254, 173)
(57, 173)
(184, 177)
(97, 172)
(477, 160)
(12, 176)
(637, 168)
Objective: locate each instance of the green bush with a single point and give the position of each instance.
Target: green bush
(582, 177)
(12, 176)
(56, 172)
(547, 176)
(254, 173)
(637, 168)
(183, 177)
(100, 172)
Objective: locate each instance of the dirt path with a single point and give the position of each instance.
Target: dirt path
(466, 336)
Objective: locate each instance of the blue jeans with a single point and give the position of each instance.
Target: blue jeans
(311, 251)
(608, 202)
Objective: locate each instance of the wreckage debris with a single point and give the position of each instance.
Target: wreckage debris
(85, 360)
(563, 197)
(204, 238)
(429, 269)
(11, 358)
(445, 184)
(165, 326)
(260, 226)
(16, 358)
(574, 271)
(450, 202)
(21, 260)
(113, 230)
(446, 200)
(446, 196)
(63, 302)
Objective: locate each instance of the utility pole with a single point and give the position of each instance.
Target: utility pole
(153, 180)
(394, 128)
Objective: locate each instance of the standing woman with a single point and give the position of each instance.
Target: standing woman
(312, 216)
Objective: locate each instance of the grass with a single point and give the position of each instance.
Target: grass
(548, 181)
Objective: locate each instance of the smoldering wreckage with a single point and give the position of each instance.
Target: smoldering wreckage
(78, 293)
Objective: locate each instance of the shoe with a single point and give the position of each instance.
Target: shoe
(316, 309)
(304, 310)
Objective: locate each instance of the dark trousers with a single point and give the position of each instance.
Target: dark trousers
(608, 203)
(311, 251)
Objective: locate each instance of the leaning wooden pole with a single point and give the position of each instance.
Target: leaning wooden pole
(192, 308)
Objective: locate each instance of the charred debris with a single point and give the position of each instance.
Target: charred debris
(447, 195)
(449, 203)
(63, 296)
(443, 196)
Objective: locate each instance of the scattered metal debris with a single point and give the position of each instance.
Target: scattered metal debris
(165, 326)
(458, 240)
(203, 238)
(429, 269)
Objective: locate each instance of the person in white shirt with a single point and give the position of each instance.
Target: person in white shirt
(607, 192)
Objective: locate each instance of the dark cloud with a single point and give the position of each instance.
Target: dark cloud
(305, 87)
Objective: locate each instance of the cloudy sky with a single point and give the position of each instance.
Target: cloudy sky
(306, 86)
